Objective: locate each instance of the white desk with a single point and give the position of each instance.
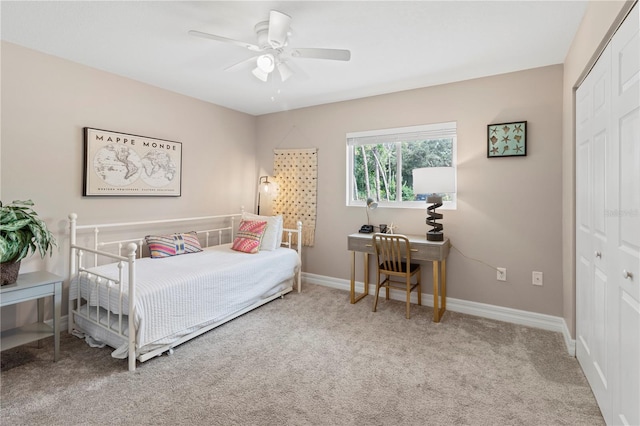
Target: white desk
(421, 249)
(32, 286)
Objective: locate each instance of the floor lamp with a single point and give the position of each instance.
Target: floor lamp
(434, 181)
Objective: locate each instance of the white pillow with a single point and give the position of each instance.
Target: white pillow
(272, 238)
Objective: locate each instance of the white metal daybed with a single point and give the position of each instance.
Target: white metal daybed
(175, 298)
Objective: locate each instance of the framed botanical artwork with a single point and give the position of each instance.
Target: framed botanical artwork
(507, 139)
(120, 164)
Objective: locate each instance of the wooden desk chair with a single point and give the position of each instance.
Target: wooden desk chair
(393, 259)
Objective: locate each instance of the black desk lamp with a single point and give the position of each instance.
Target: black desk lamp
(434, 181)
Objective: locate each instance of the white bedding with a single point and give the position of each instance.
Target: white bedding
(184, 292)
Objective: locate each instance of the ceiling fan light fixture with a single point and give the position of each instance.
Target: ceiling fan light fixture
(266, 63)
(261, 75)
(285, 71)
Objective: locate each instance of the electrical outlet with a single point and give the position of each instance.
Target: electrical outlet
(502, 274)
(536, 278)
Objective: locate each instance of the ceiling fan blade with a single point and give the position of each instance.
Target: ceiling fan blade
(239, 64)
(278, 28)
(316, 53)
(224, 40)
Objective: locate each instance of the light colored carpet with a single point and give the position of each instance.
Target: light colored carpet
(312, 359)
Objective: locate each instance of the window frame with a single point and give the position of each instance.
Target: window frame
(445, 130)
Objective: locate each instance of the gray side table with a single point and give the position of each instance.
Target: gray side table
(33, 286)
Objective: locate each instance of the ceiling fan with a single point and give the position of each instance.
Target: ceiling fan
(272, 50)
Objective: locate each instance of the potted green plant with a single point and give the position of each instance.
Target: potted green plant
(22, 233)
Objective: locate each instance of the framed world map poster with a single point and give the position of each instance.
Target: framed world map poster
(507, 139)
(119, 164)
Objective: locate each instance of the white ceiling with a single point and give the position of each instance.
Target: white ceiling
(394, 45)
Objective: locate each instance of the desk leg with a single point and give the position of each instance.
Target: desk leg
(57, 304)
(40, 316)
(439, 289)
(443, 290)
(355, 299)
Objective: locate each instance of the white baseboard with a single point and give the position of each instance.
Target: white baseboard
(499, 313)
(568, 341)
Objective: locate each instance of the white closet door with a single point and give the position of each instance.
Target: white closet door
(608, 226)
(624, 186)
(592, 291)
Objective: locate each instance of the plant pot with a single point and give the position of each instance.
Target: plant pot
(9, 272)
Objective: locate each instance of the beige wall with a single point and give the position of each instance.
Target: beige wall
(516, 213)
(509, 209)
(600, 20)
(46, 102)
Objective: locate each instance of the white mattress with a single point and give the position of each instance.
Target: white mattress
(185, 292)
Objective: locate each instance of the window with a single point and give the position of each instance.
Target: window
(380, 163)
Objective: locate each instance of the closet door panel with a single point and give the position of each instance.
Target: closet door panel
(626, 271)
(626, 114)
(584, 252)
(601, 329)
(599, 194)
(599, 236)
(627, 390)
(625, 267)
(627, 394)
(629, 199)
(585, 324)
(593, 293)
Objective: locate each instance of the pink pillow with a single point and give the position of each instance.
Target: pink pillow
(173, 244)
(249, 236)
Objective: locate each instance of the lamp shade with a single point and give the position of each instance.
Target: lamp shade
(264, 185)
(285, 71)
(267, 190)
(434, 180)
(266, 62)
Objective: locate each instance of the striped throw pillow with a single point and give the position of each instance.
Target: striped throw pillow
(249, 236)
(173, 244)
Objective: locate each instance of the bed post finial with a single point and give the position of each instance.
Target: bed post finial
(72, 227)
(131, 249)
